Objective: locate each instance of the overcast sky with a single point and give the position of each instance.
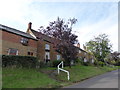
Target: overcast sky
(94, 17)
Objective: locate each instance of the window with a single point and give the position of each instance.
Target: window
(12, 51)
(85, 60)
(92, 60)
(30, 53)
(58, 57)
(47, 55)
(47, 47)
(79, 51)
(24, 41)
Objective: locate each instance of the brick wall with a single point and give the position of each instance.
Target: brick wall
(10, 40)
(41, 50)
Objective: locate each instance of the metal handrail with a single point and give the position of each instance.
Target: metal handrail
(68, 75)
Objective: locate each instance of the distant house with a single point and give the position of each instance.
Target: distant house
(15, 42)
(84, 55)
(32, 43)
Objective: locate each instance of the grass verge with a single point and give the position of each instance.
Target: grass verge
(46, 78)
(26, 78)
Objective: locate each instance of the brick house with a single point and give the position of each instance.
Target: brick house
(84, 55)
(32, 43)
(15, 42)
(45, 47)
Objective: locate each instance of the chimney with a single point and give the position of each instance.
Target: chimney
(78, 45)
(29, 25)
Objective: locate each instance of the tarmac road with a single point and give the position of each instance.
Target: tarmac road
(107, 80)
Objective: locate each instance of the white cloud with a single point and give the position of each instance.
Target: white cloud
(107, 26)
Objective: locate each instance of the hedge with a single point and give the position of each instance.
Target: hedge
(19, 61)
(55, 63)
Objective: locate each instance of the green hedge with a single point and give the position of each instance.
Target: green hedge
(55, 63)
(19, 61)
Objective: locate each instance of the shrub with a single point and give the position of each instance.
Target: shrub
(19, 61)
(78, 60)
(95, 62)
(56, 62)
(113, 62)
(86, 63)
(118, 63)
(101, 63)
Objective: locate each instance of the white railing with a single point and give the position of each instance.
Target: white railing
(68, 75)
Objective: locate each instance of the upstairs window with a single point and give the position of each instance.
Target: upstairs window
(12, 51)
(24, 41)
(47, 47)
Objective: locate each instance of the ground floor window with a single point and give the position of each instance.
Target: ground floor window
(47, 56)
(85, 60)
(58, 57)
(12, 51)
(92, 60)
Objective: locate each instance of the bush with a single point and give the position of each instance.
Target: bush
(19, 61)
(101, 63)
(86, 63)
(95, 62)
(118, 63)
(56, 62)
(79, 61)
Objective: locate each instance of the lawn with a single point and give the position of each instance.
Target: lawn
(45, 78)
(26, 78)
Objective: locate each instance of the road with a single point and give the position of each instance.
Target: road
(107, 80)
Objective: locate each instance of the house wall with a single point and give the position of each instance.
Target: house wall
(41, 50)
(10, 40)
(86, 55)
(43, 39)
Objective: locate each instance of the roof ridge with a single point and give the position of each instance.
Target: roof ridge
(12, 28)
(16, 31)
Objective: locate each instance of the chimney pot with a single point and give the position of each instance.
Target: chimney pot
(29, 25)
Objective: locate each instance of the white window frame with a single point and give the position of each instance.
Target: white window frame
(47, 53)
(47, 46)
(10, 49)
(58, 57)
(24, 40)
(85, 60)
(92, 60)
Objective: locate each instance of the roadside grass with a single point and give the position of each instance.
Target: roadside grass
(79, 73)
(26, 78)
(40, 78)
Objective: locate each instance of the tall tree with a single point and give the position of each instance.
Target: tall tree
(62, 38)
(100, 46)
